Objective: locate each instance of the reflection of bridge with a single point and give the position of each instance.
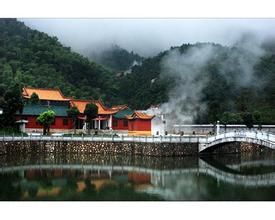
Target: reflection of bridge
(158, 176)
(204, 142)
(237, 178)
(252, 164)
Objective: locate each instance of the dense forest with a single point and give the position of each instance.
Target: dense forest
(116, 58)
(32, 58)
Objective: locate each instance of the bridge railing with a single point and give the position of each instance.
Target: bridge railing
(244, 134)
(142, 139)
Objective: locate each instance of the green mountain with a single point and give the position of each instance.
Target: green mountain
(116, 58)
(35, 59)
(231, 84)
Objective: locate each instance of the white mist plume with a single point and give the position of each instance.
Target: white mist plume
(184, 99)
(188, 69)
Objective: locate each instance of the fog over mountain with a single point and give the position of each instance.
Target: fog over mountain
(232, 82)
(148, 37)
(237, 67)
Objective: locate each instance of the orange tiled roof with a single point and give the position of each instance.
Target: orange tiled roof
(119, 107)
(140, 115)
(102, 110)
(44, 94)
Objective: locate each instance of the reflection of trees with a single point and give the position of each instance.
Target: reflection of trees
(117, 192)
(220, 191)
(108, 192)
(8, 190)
(33, 191)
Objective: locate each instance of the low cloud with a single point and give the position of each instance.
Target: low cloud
(148, 36)
(235, 64)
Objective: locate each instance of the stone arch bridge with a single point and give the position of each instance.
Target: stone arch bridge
(260, 138)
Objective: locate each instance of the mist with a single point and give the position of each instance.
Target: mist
(148, 37)
(184, 98)
(189, 70)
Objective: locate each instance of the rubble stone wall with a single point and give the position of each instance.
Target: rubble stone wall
(110, 148)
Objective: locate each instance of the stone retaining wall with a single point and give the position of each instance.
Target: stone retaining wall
(110, 148)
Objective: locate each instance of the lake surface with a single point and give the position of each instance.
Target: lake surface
(114, 178)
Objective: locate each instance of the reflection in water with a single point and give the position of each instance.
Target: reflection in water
(99, 177)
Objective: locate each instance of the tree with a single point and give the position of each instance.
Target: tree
(11, 102)
(225, 119)
(34, 98)
(258, 119)
(230, 118)
(46, 119)
(91, 111)
(248, 119)
(73, 112)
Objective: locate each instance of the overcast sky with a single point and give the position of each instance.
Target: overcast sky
(149, 36)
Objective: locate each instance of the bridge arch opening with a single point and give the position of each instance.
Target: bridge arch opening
(235, 147)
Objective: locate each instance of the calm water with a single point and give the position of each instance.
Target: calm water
(99, 177)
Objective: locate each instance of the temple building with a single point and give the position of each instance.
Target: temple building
(120, 121)
(31, 112)
(48, 99)
(119, 118)
(139, 123)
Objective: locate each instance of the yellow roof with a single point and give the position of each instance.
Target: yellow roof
(44, 94)
(102, 110)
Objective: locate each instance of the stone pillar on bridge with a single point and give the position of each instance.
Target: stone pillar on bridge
(218, 128)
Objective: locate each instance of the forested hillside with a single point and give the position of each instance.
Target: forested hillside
(116, 58)
(35, 59)
(213, 81)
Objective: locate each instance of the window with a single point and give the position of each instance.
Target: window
(114, 123)
(125, 122)
(65, 121)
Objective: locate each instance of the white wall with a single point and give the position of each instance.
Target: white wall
(157, 126)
